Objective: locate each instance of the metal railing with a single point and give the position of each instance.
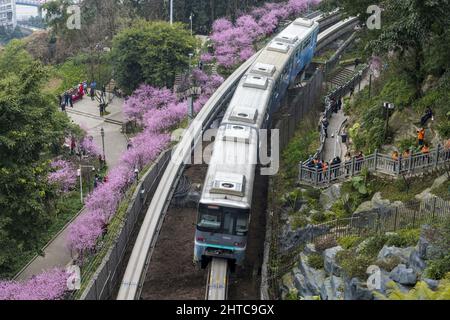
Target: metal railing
(329, 107)
(377, 162)
(409, 215)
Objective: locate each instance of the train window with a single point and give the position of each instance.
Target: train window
(306, 43)
(228, 221)
(242, 226)
(209, 218)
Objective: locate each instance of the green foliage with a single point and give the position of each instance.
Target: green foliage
(389, 264)
(300, 147)
(316, 261)
(292, 295)
(440, 240)
(420, 292)
(299, 221)
(30, 128)
(404, 238)
(438, 268)
(373, 245)
(354, 265)
(399, 92)
(318, 217)
(349, 242)
(359, 184)
(71, 72)
(152, 53)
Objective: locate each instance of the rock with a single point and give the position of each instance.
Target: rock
(432, 284)
(416, 263)
(300, 283)
(403, 275)
(313, 279)
(376, 204)
(326, 291)
(330, 196)
(310, 248)
(287, 284)
(425, 249)
(330, 264)
(439, 181)
(424, 195)
(357, 290)
(338, 288)
(389, 252)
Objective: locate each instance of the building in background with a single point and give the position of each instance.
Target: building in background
(8, 17)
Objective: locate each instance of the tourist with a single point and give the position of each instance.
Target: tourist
(421, 136)
(427, 116)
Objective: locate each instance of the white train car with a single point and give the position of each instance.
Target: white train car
(225, 206)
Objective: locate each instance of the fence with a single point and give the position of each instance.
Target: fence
(380, 163)
(298, 103)
(408, 215)
(102, 284)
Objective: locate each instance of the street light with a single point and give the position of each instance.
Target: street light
(388, 106)
(102, 132)
(190, 97)
(80, 175)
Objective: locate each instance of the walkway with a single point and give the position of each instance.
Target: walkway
(333, 145)
(85, 114)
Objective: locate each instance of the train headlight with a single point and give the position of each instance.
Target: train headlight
(200, 239)
(239, 244)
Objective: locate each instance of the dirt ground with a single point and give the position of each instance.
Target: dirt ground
(172, 274)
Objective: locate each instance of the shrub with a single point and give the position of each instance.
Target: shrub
(438, 268)
(373, 245)
(299, 221)
(292, 295)
(354, 265)
(349, 242)
(389, 264)
(325, 243)
(316, 261)
(404, 238)
(318, 217)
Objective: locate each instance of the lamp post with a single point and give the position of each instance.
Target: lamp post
(190, 97)
(80, 175)
(102, 132)
(388, 106)
(191, 17)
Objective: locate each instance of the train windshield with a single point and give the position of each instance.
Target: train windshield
(223, 220)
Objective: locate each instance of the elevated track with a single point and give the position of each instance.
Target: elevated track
(138, 264)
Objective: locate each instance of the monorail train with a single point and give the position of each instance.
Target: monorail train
(225, 206)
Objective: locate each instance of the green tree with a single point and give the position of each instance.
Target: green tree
(408, 27)
(151, 52)
(30, 127)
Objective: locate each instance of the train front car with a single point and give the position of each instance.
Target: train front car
(225, 206)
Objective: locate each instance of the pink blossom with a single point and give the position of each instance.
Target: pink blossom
(50, 285)
(63, 175)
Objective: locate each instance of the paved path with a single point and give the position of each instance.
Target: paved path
(333, 145)
(86, 114)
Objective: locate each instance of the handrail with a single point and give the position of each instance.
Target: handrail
(377, 162)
